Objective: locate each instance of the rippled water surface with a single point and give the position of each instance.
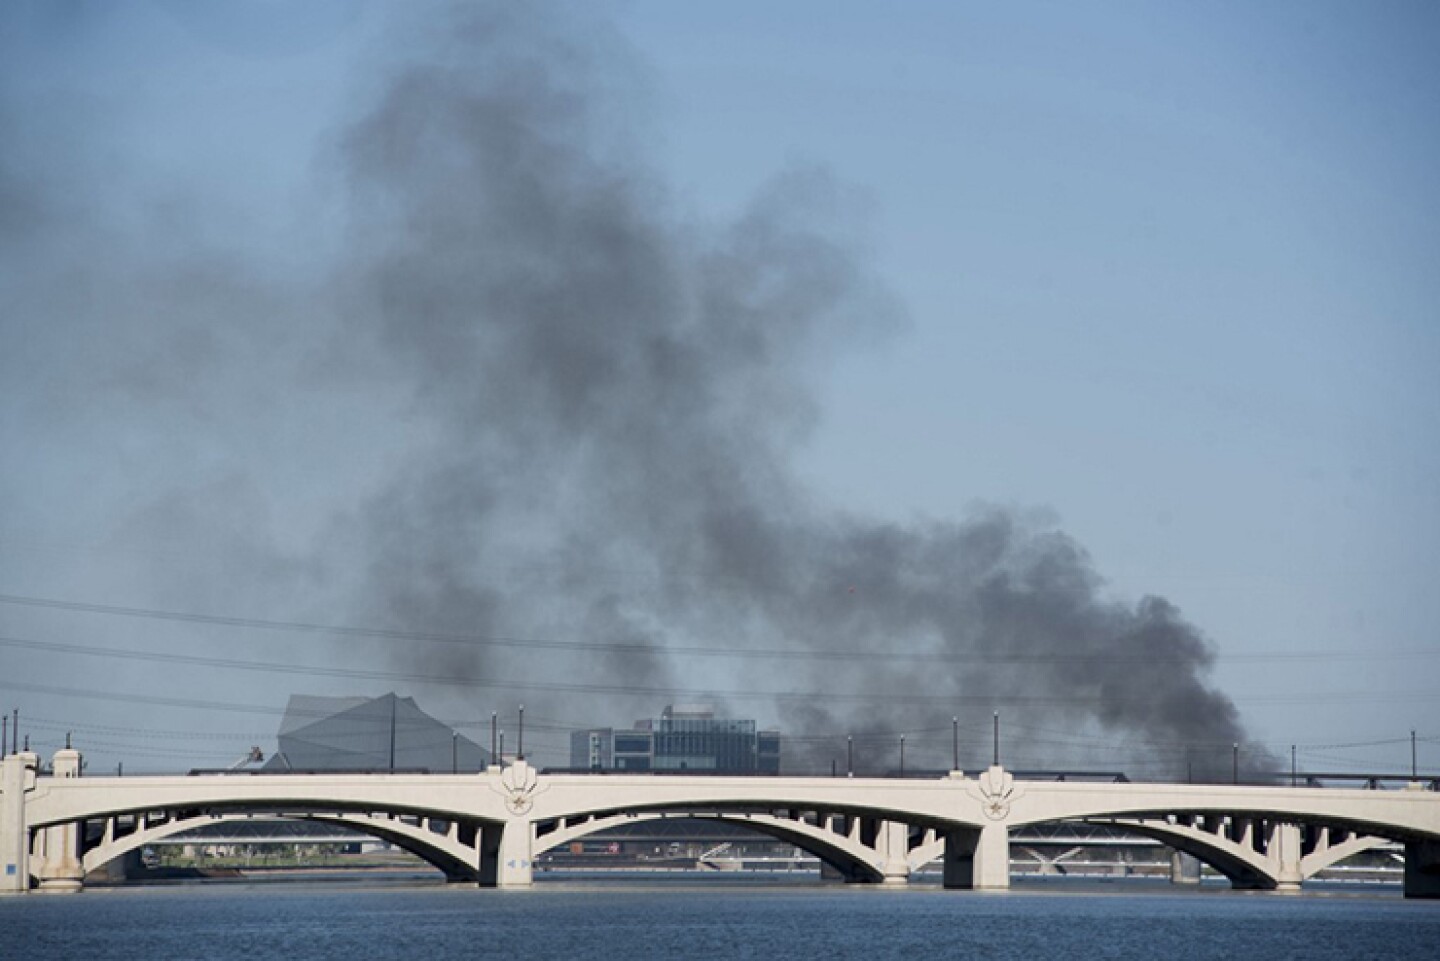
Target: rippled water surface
(691, 920)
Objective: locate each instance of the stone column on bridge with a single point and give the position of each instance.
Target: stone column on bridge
(978, 858)
(507, 850)
(17, 776)
(58, 866)
(506, 855)
(517, 860)
(1284, 852)
(1184, 868)
(893, 846)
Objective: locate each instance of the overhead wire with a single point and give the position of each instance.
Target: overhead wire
(636, 647)
(918, 736)
(455, 680)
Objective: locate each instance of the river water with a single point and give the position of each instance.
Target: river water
(729, 918)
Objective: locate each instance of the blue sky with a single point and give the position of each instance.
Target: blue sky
(1170, 272)
(1166, 277)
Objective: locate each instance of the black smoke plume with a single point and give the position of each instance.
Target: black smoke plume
(613, 393)
(526, 394)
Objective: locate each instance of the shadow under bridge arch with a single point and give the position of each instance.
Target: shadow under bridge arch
(453, 847)
(855, 846)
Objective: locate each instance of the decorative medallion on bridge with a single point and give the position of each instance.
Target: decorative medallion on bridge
(520, 783)
(996, 789)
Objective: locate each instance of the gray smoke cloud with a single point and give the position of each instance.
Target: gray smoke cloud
(537, 398)
(614, 394)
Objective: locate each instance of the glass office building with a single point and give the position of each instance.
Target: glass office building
(683, 738)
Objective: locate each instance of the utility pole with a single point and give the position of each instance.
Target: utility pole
(996, 756)
(392, 732)
(955, 743)
(520, 737)
(494, 744)
(902, 755)
(849, 755)
(1235, 762)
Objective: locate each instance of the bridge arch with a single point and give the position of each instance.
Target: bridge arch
(1255, 853)
(1332, 853)
(1244, 866)
(845, 850)
(455, 850)
(1252, 860)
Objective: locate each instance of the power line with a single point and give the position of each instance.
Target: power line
(674, 692)
(636, 647)
(1122, 751)
(455, 680)
(51, 724)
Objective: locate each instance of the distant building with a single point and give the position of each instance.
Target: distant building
(369, 734)
(682, 738)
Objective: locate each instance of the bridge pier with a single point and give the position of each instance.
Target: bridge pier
(17, 778)
(1284, 852)
(978, 859)
(1184, 868)
(507, 855)
(1422, 869)
(893, 846)
(58, 867)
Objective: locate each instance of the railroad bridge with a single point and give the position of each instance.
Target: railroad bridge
(489, 827)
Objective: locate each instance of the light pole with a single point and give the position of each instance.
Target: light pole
(392, 732)
(996, 756)
(849, 756)
(902, 755)
(955, 743)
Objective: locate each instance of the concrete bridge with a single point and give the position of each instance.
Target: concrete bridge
(490, 827)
